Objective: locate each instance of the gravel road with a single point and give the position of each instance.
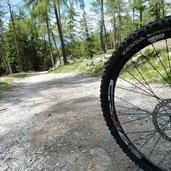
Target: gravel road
(54, 122)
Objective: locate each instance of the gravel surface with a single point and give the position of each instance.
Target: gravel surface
(54, 122)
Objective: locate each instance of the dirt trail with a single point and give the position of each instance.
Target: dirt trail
(54, 122)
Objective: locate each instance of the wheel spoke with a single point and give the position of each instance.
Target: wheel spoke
(139, 132)
(157, 141)
(125, 107)
(154, 146)
(136, 107)
(164, 157)
(136, 79)
(160, 61)
(133, 91)
(137, 87)
(134, 120)
(152, 136)
(132, 114)
(149, 88)
(152, 133)
(155, 69)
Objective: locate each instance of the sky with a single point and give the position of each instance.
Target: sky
(91, 16)
(18, 2)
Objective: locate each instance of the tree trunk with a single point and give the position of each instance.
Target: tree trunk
(133, 13)
(106, 40)
(102, 44)
(46, 56)
(54, 41)
(50, 43)
(15, 36)
(114, 28)
(119, 29)
(158, 10)
(133, 17)
(104, 27)
(141, 16)
(101, 39)
(25, 65)
(90, 52)
(58, 22)
(163, 9)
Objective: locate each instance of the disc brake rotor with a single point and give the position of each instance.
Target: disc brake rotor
(161, 118)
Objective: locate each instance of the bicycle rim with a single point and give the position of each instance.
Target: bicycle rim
(136, 88)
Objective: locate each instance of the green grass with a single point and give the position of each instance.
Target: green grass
(72, 67)
(5, 84)
(110, 51)
(92, 67)
(147, 70)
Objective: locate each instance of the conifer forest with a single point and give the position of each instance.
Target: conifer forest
(36, 35)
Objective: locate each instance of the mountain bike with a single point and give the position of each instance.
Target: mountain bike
(136, 96)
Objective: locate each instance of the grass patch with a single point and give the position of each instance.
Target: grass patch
(93, 67)
(150, 65)
(4, 85)
(72, 67)
(22, 75)
(110, 51)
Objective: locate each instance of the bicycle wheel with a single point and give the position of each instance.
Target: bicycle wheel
(136, 96)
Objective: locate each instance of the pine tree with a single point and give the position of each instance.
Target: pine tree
(3, 59)
(158, 8)
(40, 10)
(139, 6)
(15, 35)
(117, 11)
(87, 37)
(57, 8)
(98, 6)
